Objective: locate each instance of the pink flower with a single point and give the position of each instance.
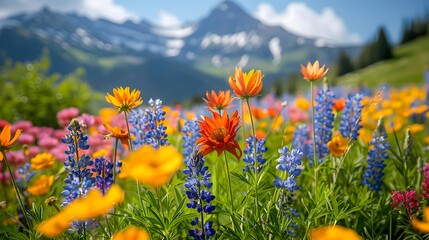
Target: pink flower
(26, 138)
(425, 183)
(23, 125)
(16, 157)
(407, 199)
(66, 115)
(48, 143)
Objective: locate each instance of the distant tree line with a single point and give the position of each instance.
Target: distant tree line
(380, 48)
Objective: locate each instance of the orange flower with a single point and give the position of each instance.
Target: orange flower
(218, 134)
(42, 186)
(246, 85)
(132, 232)
(123, 99)
(42, 161)
(150, 166)
(335, 232)
(339, 104)
(338, 145)
(313, 72)
(91, 206)
(218, 101)
(118, 133)
(422, 226)
(6, 142)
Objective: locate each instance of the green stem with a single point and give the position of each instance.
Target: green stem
(18, 195)
(115, 151)
(243, 127)
(128, 129)
(230, 188)
(316, 162)
(254, 159)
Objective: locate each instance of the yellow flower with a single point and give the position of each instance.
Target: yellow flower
(416, 128)
(335, 232)
(91, 206)
(150, 166)
(106, 114)
(338, 145)
(6, 140)
(42, 161)
(246, 85)
(100, 153)
(302, 103)
(313, 72)
(123, 99)
(422, 226)
(132, 232)
(41, 186)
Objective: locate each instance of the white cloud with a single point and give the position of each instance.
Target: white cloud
(93, 9)
(300, 19)
(166, 19)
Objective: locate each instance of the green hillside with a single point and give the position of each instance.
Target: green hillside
(407, 67)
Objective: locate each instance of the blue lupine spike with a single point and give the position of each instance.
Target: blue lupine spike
(249, 155)
(289, 162)
(79, 181)
(147, 125)
(302, 141)
(351, 117)
(323, 121)
(198, 181)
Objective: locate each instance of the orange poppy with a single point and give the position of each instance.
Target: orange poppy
(218, 134)
(6, 140)
(123, 99)
(218, 101)
(313, 72)
(338, 145)
(118, 133)
(246, 85)
(339, 104)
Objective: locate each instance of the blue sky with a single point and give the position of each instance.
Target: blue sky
(347, 21)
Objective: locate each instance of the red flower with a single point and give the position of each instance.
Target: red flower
(218, 134)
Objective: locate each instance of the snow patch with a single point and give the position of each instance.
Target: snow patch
(240, 39)
(223, 7)
(275, 49)
(190, 55)
(180, 32)
(217, 61)
(300, 41)
(243, 60)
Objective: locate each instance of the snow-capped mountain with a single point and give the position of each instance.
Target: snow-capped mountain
(227, 37)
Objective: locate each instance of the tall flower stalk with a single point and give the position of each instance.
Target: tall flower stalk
(289, 162)
(245, 86)
(374, 171)
(198, 184)
(312, 73)
(79, 180)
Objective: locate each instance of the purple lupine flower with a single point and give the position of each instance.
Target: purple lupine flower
(351, 117)
(249, 157)
(302, 141)
(289, 162)
(323, 121)
(147, 125)
(79, 180)
(200, 198)
(373, 174)
(104, 173)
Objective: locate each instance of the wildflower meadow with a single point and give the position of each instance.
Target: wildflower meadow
(332, 163)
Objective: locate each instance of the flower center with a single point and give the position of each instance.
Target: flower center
(219, 134)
